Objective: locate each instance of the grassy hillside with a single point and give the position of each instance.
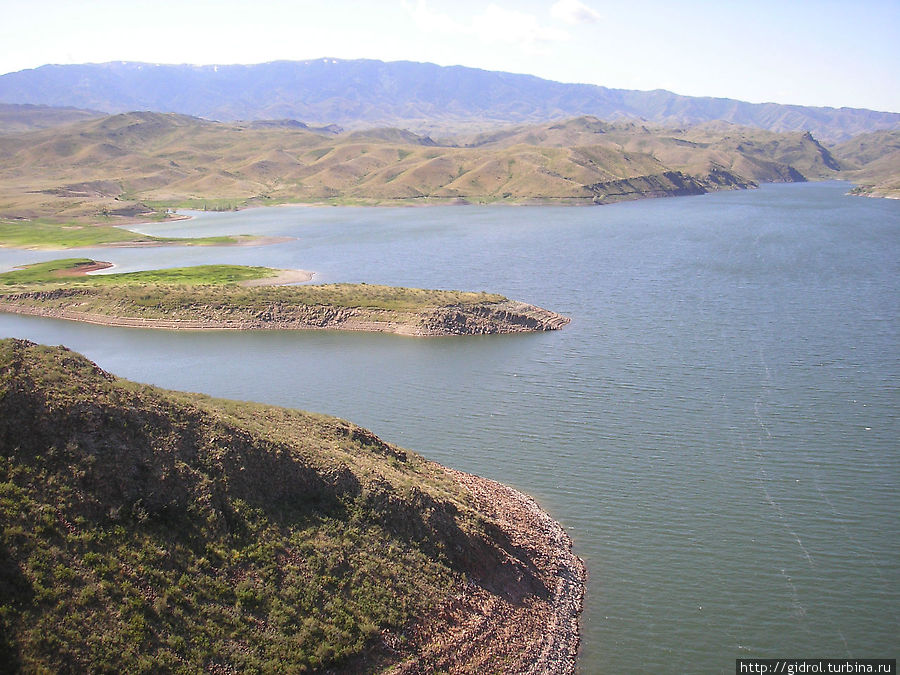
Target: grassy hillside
(44, 233)
(152, 531)
(231, 296)
(73, 272)
(126, 166)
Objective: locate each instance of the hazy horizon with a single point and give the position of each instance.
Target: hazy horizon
(456, 65)
(822, 54)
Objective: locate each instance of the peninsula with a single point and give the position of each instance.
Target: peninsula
(145, 529)
(242, 298)
(53, 236)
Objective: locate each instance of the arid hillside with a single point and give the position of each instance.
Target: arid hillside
(873, 163)
(133, 165)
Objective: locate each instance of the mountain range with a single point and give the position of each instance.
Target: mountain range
(421, 97)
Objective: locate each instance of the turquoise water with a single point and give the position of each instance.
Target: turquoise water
(717, 428)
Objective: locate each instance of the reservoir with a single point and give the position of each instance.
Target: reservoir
(717, 428)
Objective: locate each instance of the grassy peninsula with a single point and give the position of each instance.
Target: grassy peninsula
(237, 297)
(145, 530)
(46, 234)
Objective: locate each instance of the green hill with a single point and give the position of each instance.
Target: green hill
(153, 531)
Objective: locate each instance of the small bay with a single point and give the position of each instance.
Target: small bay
(717, 428)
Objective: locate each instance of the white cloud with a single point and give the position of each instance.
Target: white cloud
(572, 11)
(492, 25)
(432, 21)
(497, 24)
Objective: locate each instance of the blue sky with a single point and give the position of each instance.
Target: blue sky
(811, 53)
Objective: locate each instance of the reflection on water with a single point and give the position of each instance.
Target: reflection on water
(717, 427)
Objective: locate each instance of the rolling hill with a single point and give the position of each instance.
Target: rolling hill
(126, 165)
(17, 118)
(873, 162)
(422, 97)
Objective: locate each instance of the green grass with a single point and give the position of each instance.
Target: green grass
(41, 273)
(54, 272)
(214, 293)
(49, 235)
(200, 275)
(43, 234)
(387, 297)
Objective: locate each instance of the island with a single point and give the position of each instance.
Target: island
(151, 530)
(236, 297)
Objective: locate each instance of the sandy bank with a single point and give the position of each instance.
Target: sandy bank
(283, 278)
(242, 240)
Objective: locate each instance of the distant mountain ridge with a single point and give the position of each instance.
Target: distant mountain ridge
(422, 97)
(15, 118)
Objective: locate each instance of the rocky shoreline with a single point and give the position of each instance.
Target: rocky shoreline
(497, 624)
(544, 634)
(482, 319)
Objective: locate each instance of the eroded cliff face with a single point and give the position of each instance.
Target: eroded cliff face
(507, 316)
(503, 317)
(666, 184)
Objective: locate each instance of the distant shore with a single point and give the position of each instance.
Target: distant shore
(239, 240)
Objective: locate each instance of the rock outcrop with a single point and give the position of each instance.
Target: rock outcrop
(666, 184)
(505, 316)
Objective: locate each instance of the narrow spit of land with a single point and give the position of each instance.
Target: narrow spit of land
(223, 297)
(46, 234)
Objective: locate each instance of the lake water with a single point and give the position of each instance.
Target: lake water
(717, 428)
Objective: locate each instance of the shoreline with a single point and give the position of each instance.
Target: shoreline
(501, 318)
(475, 630)
(272, 304)
(240, 240)
(283, 278)
(132, 224)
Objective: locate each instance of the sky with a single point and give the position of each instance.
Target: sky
(813, 52)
